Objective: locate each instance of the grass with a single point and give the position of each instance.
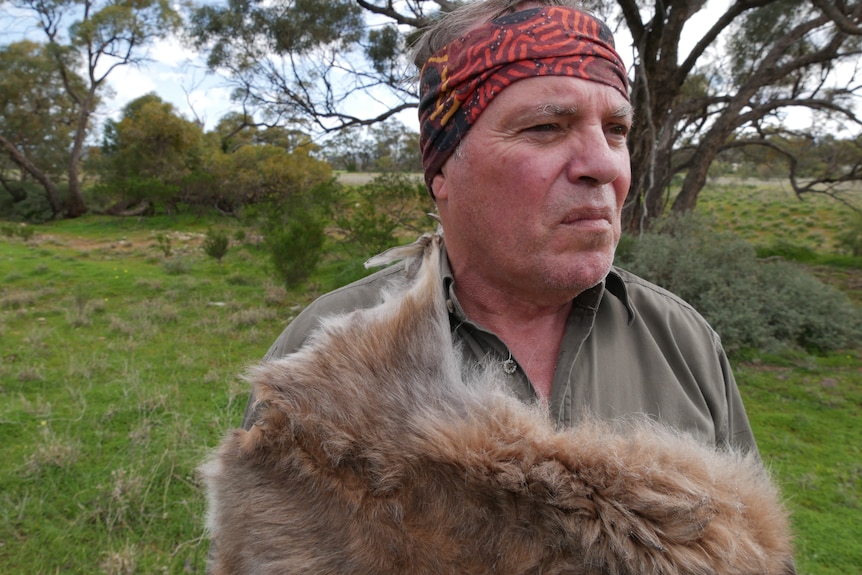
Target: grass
(119, 370)
(805, 412)
(117, 375)
(767, 213)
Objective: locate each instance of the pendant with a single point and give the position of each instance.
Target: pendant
(509, 366)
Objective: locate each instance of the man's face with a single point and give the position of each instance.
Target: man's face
(531, 201)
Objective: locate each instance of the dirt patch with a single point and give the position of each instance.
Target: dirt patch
(359, 178)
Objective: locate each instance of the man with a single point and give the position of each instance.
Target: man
(370, 453)
(524, 117)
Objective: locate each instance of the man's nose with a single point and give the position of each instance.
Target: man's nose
(595, 159)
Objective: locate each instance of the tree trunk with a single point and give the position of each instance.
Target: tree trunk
(76, 206)
(25, 164)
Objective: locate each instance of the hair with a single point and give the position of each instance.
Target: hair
(450, 25)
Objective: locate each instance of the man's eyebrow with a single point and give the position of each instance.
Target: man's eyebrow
(625, 111)
(556, 110)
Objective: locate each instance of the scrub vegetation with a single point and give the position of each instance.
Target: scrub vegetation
(123, 342)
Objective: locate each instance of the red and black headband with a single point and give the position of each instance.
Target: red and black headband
(458, 82)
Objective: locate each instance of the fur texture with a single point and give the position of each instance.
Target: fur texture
(374, 454)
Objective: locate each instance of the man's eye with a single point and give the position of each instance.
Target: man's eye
(620, 130)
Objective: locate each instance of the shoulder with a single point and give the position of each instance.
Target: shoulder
(361, 294)
(656, 306)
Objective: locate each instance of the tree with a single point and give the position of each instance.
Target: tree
(36, 119)
(782, 54)
(396, 147)
(753, 63)
(388, 146)
(147, 153)
(306, 60)
(251, 166)
(97, 37)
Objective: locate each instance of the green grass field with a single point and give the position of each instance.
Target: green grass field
(119, 369)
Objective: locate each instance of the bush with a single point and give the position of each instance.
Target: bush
(216, 244)
(294, 232)
(751, 303)
(372, 215)
(34, 208)
(295, 248)
(850, 238)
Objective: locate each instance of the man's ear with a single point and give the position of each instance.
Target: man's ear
(438, 186)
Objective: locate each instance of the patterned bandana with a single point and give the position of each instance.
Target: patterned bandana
(458, 82)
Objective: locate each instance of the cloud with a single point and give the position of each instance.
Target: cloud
(176, 78)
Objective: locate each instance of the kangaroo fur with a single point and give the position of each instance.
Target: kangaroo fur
(374, 451)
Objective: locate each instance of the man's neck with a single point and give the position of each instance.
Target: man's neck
(533, 333)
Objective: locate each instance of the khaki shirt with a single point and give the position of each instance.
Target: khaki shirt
(629, 348)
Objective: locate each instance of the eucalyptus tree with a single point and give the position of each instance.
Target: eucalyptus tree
(751, 64)
(147, 154)
(331, 64)
(36, 119)
(92, 38)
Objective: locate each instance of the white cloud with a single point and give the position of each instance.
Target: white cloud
(175, 78)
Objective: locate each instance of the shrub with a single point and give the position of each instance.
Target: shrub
(372, 216)
(22, 231)
(216, 244)
(176, 267)
(33, 208)
(164, 242)
(751, 303)
(296, 247)
(294, 232)
(849, 240)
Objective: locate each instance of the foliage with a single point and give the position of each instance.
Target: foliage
(216, 244)
(295, 248)
(36, 114)
(370, 216)
(27, 202)
(387, 147)
(249, 39)
(850, 238)
(263, 172)
(22, 231)
(87, 39)
(154, 155)
(164, 243)
(751, 303)
(37, 120)
(294, 233)
(150, 143)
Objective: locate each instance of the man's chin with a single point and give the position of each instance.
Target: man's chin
(578, 273)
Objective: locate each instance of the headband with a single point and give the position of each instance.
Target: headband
(458, 82)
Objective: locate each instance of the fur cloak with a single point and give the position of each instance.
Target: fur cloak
(373, 452)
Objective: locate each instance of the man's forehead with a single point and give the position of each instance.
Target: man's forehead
(548, 96)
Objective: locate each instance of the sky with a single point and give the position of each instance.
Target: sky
(177, 75)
